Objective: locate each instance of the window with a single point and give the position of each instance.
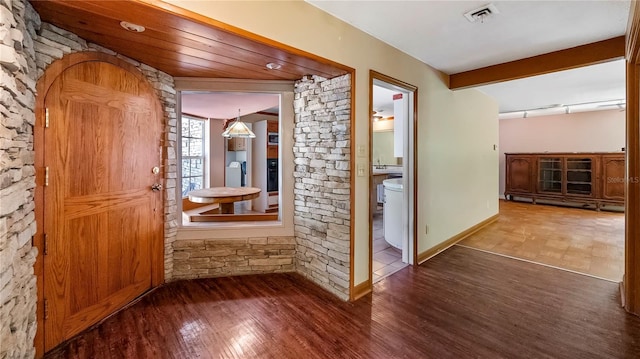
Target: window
(237, 162)
(192, 154)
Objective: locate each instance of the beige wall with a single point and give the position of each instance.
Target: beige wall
(598, 131)
(383, 148)
(457, 174)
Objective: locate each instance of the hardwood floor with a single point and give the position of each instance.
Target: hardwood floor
(462, 303)
(581, 240)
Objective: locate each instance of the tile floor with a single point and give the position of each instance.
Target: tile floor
(386, 259)
(580, 240)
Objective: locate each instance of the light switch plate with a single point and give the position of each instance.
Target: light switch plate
(361, 151)
(360, 170)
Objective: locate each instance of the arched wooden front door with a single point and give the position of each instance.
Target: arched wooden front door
(102, 221)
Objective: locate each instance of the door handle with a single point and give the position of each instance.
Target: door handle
(156, 187)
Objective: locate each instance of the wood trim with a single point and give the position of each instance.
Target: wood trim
(38, 238)
(43, 84)
(632, 192)
(579, 56)
(631, 279)
(182, 43)
(374, 75)
(190, 15)
(422, 257)
(352, 184)
(415, 177)
(632, 46)
(362, 289)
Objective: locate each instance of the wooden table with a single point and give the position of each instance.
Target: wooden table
(225, 196)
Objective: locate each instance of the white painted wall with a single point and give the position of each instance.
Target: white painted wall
(457, 174)
(597, 131)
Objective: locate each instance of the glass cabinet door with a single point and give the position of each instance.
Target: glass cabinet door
(550, 174)
(579, 176)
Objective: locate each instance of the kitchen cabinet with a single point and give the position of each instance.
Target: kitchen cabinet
(272, 126)
(373, 199)
(236, 144)
(265, 167)
(377, 191)
(614, 175)
(272, 132)
(589, 178)
(272, 151)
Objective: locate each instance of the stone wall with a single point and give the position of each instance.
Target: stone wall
(18, 24)
(225, 257)
(322, 181)
(320, 249)
(27, 47)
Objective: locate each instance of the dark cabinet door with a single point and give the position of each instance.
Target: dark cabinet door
(519, 174)
(550, 174)
(580, 176)
(613, 177)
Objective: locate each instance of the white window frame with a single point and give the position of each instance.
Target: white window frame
(203, 157)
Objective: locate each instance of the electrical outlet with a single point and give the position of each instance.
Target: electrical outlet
(426, 229)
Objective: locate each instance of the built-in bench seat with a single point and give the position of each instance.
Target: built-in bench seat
(203, 212)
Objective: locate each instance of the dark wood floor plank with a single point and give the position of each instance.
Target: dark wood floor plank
(463, 303)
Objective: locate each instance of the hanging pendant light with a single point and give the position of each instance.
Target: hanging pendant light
(238, 129)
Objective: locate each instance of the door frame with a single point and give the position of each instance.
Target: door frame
(630, 286)
(413, 186)
(52, 72)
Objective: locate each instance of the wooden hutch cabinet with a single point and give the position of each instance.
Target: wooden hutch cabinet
(590, 178)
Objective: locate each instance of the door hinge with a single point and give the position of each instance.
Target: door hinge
(46, 117)
(46, 176)
(45, 246)
(46, 309)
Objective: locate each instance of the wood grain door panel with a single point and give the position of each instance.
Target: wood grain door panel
(101, 217)
(519, 176)
(613, 181)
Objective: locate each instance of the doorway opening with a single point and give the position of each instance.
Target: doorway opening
(392, 176)
(562, 171)
(244, 170)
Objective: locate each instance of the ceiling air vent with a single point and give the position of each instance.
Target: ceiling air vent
(481, 13)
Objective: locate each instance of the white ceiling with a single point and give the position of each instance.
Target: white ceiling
(437, 33)
(383, 101)
(602, 82)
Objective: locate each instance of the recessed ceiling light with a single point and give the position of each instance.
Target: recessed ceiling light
(274, 66)
(131, 26)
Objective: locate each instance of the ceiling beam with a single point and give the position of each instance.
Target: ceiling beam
(579, 56)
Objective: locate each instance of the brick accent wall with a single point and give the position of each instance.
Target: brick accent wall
(322, 181)
(236, 256)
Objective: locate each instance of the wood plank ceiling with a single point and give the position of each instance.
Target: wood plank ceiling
(182, 43)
